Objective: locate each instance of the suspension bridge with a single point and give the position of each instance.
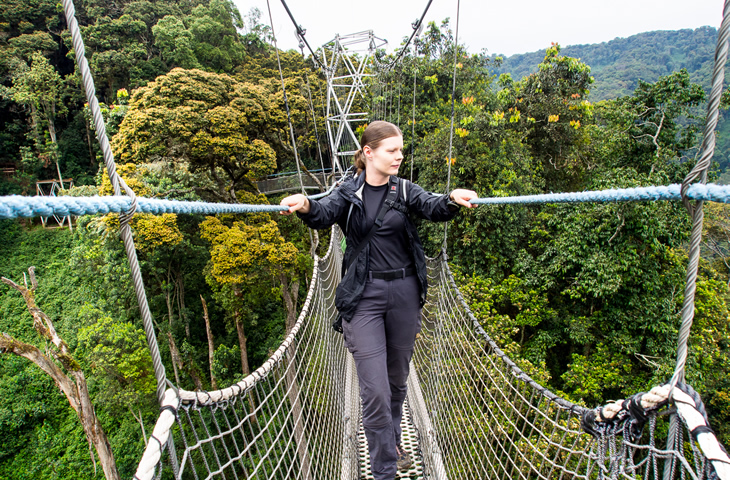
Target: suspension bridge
(471, 412)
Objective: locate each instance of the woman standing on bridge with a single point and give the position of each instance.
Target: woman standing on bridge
(384, 286)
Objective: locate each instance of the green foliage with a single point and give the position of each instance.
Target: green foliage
(119, 359)
(174, 42)
(210, 122)
(241, 253)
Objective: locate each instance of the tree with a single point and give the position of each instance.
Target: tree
(118, 47)
(174, 42)
(210, 122)
(550, 108)
(41, 89)
(119, 357)
(216, 41)
(65, 371)
(245, 256)
(658, 122)
(257, 36)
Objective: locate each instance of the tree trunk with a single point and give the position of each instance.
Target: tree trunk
(196, 376)
(175, 354)
(141, 424)
(88, 142)
(300, 435)
(290, 296)
(211, 344)
(94, 431)
(52, 132)
(242, 343)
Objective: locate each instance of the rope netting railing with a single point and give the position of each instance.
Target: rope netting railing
(483, 417)
(295, 417)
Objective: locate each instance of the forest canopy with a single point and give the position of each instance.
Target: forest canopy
(586, 298)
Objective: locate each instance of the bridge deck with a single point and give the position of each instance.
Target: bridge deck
(409, 441)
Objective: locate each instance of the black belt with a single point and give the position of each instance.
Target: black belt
(393, 274)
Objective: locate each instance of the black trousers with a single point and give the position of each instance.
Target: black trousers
(380, 337)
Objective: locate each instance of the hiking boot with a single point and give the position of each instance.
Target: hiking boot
(403, 459)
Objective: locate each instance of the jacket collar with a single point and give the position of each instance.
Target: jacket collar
(352, 189)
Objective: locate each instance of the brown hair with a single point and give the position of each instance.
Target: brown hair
(375, 133)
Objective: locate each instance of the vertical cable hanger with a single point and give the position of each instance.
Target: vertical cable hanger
(286, 100)
(413, 117)
(451, 128)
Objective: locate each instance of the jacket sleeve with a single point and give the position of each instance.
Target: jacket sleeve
(325, 212)
(431, 206)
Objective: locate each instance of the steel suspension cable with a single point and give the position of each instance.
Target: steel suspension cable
(696, 211)
(119, 185)
(398, 103)
(700, 171)
(300, 33)
(451, 128)
(314, 121)
(413, 119)
(286, 100)
(417, 25)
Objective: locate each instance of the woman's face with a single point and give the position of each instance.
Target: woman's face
(385, 160)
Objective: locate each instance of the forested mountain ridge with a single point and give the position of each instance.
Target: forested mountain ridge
(618, 65)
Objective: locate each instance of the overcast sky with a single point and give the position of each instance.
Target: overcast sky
(502, 27)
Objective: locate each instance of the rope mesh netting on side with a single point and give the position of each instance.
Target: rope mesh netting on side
(296, 417)
(483, 417)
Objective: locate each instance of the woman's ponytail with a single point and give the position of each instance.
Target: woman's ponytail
(359, 160)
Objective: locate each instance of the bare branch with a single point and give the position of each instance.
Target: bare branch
(72, 384)
(618, 229)
(33, 281)
(211, 344)
(9, 344)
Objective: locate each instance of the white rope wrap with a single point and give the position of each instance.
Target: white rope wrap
(153, 453)
(649, 401)
(713, 451)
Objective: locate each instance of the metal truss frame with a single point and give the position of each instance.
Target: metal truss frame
(346, 59)
(49, 188)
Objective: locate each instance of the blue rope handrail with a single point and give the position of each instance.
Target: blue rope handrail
(709, 192)
(16, 206)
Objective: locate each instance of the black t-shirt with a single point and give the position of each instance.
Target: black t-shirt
(389, 246)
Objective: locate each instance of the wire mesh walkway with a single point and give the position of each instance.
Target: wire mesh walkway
(409, 442)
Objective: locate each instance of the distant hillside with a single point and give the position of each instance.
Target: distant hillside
(619, 64)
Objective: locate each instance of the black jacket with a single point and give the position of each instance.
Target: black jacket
(335, 208)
